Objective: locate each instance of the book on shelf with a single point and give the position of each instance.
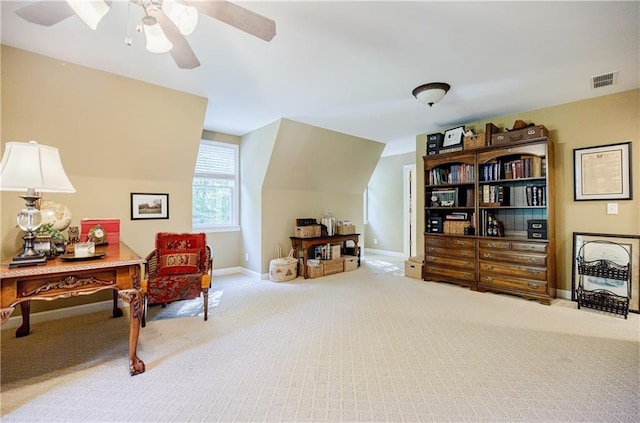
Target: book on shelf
(536, 195)
(518, 196)
(456, 216)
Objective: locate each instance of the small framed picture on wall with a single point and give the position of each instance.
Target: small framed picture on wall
(149, 206)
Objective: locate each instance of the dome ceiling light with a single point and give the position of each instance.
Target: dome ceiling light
(431, 93)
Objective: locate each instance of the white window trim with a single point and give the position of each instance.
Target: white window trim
(235, 226)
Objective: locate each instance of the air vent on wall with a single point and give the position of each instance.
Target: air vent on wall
(604, 80)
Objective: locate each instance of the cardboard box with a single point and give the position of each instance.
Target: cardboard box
(110, 225)
(413, 269)
(350, 263)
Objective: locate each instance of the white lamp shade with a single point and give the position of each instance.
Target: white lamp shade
(90, 11)
(29, 165)
(157, 42)
(185, 17)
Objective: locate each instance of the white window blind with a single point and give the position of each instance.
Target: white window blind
(215, 187)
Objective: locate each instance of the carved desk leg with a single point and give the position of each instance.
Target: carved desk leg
(117, 311)
(25, 328)
(134, 298)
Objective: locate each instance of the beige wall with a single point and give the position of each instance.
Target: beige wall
(598, 121)
(115, 136)
(256, 150)
(312, 170)
(386, 198)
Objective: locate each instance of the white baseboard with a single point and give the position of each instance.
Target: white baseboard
(563, 293)
(384, 253)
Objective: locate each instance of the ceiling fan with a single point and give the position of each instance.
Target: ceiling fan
(165, 22)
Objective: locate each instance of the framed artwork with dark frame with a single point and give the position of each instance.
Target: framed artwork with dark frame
(149, 206)
(617, 248)
(602, 173)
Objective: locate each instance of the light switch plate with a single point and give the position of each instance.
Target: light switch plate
(612, 208)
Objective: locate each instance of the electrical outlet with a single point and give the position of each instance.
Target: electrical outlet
(375, 240)
(612, 208)
(246, 257)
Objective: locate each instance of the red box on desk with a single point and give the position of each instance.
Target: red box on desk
(110, 226)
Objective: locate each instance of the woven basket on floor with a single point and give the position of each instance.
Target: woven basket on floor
(283, 269)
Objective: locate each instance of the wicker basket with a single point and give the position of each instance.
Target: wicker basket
(456, 226)
(474, 141)
(283, 269)
(308, 231)
(314, 271)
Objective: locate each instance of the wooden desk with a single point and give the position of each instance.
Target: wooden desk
(306, 243)
(119, 270)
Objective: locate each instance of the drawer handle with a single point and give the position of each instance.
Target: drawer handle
(431, 259)
(492, 245)
(534, 272)
(489, 279)
(460, 242)
(431, 249)
(532, 260)
(465, 253)
(489, 267)
(534, 285)
(435, 241)
(488, 255)
(466, 263)
(467, 275)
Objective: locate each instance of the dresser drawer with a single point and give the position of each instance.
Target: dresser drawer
(437, 273)
(512, 257)
(507, 283)
(534, 247)
(502, 269)
(439, 241)
(449, 252)
(451, 262)
(527, 247)
(495, 244)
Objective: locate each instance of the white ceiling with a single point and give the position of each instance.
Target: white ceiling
(351, 66)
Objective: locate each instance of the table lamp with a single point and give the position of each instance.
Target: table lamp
(34, 168)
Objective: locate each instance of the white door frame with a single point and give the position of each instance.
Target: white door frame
(409, 191)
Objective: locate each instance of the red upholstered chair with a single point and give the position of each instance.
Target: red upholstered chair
(179, 268)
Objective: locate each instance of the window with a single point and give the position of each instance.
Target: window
(215, 187)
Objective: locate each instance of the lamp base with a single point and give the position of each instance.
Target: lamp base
(28, 261)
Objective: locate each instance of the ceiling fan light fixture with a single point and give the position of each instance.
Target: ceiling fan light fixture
(431, 93)
(91, 12)
(157, 41)
(185, 17)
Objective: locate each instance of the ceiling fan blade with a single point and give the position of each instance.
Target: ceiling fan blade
(182, 53)
(46, 13)
(239, 17)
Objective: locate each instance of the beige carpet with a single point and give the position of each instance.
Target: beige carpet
(368, 345)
